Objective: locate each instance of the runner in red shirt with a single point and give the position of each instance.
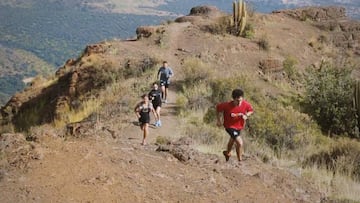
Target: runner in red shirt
(235, 114)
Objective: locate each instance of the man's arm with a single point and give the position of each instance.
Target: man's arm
(159, 74)
(171, 73)
(249, 112)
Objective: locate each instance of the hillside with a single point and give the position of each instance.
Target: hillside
(53, 31)
(98, 158)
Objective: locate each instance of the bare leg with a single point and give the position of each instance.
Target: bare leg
(145, 128)
(238, 145)
(163, 92)
(227, 153)
(166, 93)
(158, 109)
(230, 145)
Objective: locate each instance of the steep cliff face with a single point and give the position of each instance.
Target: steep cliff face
(45, 100)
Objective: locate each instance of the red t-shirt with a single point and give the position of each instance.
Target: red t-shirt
(228, 108)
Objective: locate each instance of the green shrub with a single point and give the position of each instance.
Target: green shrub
(289, 66)
(280, 128)
(329, 99)
(249, 31)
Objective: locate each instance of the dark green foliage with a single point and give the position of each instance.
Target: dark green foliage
(329, 99)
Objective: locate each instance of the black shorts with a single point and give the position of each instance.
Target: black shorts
(233, 132)
(165, 83)
(143, 120)
(156, 104)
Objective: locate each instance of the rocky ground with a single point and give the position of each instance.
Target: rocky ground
(107, 167)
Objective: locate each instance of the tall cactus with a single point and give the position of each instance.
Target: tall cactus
(357, 101)
(239, 16)
(243, 18)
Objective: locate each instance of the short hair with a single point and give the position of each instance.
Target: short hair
(144, 95)
(165, 62)
(236, 93)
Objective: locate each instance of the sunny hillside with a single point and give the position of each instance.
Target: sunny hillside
(77, 129)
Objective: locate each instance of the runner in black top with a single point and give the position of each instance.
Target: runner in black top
(142, 111)
(155, 97)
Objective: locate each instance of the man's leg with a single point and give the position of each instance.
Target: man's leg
(162, 92)
(166, 92)
(238, 145)
(230, 145)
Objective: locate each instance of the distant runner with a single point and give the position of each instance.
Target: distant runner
(142, 111)
(164, 75)
(235, 113)
(155, 97)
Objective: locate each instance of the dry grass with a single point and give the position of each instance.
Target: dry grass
(337, 187)
(295, 135)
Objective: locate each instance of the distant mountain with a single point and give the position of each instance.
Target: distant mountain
(56, 30)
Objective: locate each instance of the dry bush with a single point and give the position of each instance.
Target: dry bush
(221, 26)
(136, 68)
(161, 140)
(249, 31)
(197, 97)
(7, 128)
(289, 65)
(342, 157)
(196, 71)
(336, 187)
(264, 43)
(202, 133)
(195, 90)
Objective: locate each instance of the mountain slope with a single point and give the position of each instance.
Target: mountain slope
(100, 158)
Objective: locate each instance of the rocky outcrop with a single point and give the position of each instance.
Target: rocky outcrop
(199, 13)
(147, 31)
(344, 32)
(315, 13)
(54, 98)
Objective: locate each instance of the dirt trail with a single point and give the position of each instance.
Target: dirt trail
(170, 124)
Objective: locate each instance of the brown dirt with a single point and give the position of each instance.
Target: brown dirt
(103, 169)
